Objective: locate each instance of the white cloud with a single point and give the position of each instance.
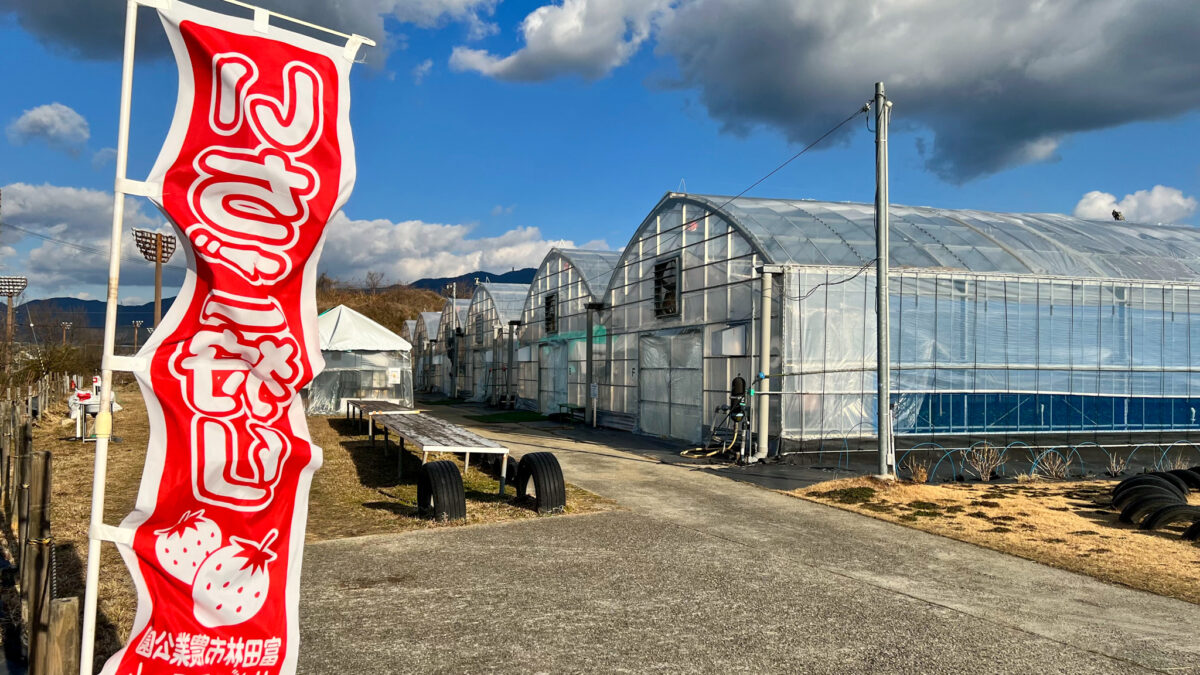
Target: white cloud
(74, 224)
(103, 157)
(579, 37)
(421, 71)
(57, 125)
(501, 210)
(1159, 204)
(412, 249)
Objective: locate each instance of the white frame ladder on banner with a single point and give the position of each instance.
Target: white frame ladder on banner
(98, 531)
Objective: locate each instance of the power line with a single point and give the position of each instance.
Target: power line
(865, 107)
(77, 246)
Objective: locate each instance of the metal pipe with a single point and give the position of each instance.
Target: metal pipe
(158, 264)
(590, 409)
(762, 402)
(887, 453)
(512, 343)
(103, 425)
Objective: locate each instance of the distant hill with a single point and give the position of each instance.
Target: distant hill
(466, 282)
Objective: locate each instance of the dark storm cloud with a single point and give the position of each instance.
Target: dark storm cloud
(998, 84)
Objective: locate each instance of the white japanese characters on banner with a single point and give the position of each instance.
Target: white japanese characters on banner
(258, 158)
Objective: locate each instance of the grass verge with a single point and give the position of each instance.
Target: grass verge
(1062, 524)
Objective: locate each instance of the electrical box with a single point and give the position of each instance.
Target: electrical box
(731, 341)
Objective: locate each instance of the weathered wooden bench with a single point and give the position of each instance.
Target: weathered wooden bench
(427, 434)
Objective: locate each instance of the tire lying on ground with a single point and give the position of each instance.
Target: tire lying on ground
(1189, 477)
(1141, 492)
(540, 478)
(440, 491)
(1171, 514)
(1139, 508)
(1192, 533)
(1153, 480)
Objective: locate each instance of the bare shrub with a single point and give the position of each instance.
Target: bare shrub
(1177, 463)
(983, 459)
(1116, 465)
(1054, 465)
(917, 468)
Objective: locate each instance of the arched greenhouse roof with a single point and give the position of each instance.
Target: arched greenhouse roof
(431, 321)
(461, 306)
(509, 299)
(594, 267)
(806, 232)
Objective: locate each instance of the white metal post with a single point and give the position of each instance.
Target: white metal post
(762, 399)
(887, 453)
(103, 425)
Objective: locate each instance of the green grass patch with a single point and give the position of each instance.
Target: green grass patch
(511, 417)
(924, 506)
(851, 495)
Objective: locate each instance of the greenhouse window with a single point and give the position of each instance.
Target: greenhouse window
(551, 302)
(478, 329)
(666, 287)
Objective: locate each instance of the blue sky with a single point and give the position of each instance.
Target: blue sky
(488, 131)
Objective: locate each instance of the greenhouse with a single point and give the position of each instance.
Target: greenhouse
(490, 340)
(553, 339)
(445, 350)
(1030, 324)
(423, 342)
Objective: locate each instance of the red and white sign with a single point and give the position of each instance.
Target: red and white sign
(258, 158)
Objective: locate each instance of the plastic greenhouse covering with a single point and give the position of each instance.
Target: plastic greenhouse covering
(488, 338)
(1000, 323)
(556, 373)
(362, 360)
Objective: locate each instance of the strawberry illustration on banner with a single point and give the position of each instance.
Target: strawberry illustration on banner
(257, 160)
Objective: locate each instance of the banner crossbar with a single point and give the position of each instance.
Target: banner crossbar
(260, 11)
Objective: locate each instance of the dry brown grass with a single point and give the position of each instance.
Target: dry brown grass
(1064, 524)
(390, 307)
(355, 493)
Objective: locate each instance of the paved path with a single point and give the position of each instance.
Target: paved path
(701, 573)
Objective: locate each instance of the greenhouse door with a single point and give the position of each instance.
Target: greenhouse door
(552, 377)
(670, 385)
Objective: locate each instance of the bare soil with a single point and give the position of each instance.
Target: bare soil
(1063, 524)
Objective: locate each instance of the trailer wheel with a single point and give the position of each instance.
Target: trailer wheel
(1170, 514)
(440, 491)
(1192, 533)
(1189, 477)
(539, 477)
(1143, 481)
(1141, 492)
(1137, 509)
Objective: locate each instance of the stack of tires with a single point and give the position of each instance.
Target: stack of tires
(1158, 499)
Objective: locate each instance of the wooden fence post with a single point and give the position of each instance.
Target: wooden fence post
(64, 637)
(25, 466)
(37, 602)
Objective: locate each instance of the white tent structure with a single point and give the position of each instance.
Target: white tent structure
(362, 360)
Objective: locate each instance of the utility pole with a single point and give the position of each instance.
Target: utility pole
(66, 326)
(887, 453)
(136, 326)
(157, 248)
(10, 288)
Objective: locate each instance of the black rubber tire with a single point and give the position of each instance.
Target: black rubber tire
(1189, 477)
(1139, 508)
(1170, 514)
(510, 476)
(1174, 479)
(1141, 492)
(1192, 533)
(1144, 480)
(542, 472)
(440, 491)
(485, 462)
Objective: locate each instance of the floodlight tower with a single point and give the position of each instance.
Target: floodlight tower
(157, 248)
(66, 326)
(11, 287)
(136, 326)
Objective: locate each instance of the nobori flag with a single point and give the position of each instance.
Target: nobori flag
(257, 160)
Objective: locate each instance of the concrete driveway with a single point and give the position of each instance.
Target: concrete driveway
(701, 573)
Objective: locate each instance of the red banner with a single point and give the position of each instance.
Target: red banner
(257, 160)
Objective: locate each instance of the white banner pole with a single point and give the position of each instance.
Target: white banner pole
(104, 417)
